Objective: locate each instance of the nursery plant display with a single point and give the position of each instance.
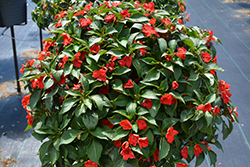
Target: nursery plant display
(126, 83)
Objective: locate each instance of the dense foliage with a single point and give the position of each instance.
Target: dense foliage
(125, 82)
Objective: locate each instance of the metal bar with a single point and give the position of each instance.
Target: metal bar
(41, 39)
(4, 31)
(15, 58)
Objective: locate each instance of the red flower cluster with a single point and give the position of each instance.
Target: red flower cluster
(63, 61)
(129, 84)
(89, 163)
(100, 75)
(126, 151)
(197, 150)
(118, 143)
(156, 155)
(80, 12)
(28, 64)
(148, 30)
(38, 82)
(168, 99)
(224, 89)
(95, 48)
(170, 134)
(42, 55)
(110, 18)
(88, 6)
(147, 103)
(25, 102)
(77, 62)
(166, 21)
(125, 124)
(58, 24)
(152, 21)
(62, 79)
(134, 139)
(206, 57)
(181, 165)
(126, 61)
(204, 108)
(142, 124)
(85, 22)
(216, 110)
(175, 85)
(184, 152)
(149, 6)
(208, 147)
(66, 39)
(125, 13)
(106, 122)
(181, 52)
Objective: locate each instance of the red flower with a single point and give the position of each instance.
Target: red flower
(66, 39)
(113, 58)
(37, 82)
(106, 122)
(175, 85)
(184, 152)
(100, 75)
(187, 16)
(197, 150)
(126, 61)
(129, 84)
(149, 6)
(147, 103)
(104, 90)
(213, 72)
(95, 48)
(143, 142)
(170, 134)
(62, 14)
(58, 24)
(200, 107)
(63, 61)
(133, 139)
(89, 163)
(30, 118)
(156, 155)
(110, 66)
(117, 143)
(168, 58)
(211, 35)
(181, 165)
(127, 153)
(42, 55)
(62, 79)
(76, 62)
(148, 30)
(166, 21)
(80, 12)
(208, 107)
(206, 57)
(208, 147)
(116, 4)
(125, 124)
(88, 6)
(125, 13)
(181, 52)
(152, 21)
(142, 124)
(85, 22)
(25, 101)
(167, 99)
(143, 51)
(125, 145)
(76, 86)
(180, 21)
(110, 18)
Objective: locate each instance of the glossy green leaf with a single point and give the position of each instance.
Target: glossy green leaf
(68, 104)
(90, 120)
(164, 148)
(94, 150)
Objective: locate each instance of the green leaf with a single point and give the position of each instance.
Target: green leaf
(162, 44)
(200, 159)
(149, 119)
(131, 39)
(193, 75)
(110, 30)
(177, 96)
(138, 17)
(68, 104)
(90, 120)
(168, 65)
(212, 157)
(88, 103)
(156, 104)
(152, 75)
(177, 72)
(210, 77)
(119, 134)
(198, 115)
(53, 154)
(150, 61)
(98, 101)
(94, 151)
(116, 52)
(186, 115)
(209, 118)
(67, 69)
(168, 122)
(84, 82)
(164, 148)
(117, 85)
(121, 101)
(57, 74)
(34, 98)
(172, 45)
(93, 40)
(188, 42)
(149, 94)
(52, 93)
(48, 82)
(123, 113)
(131, 108)
(98, 132)
(120, 70)
(210, 98)
(214, 66)
(164, 85)
(67, 137)
(225, 130)
(80, 109)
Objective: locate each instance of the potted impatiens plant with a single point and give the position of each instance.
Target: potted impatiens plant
(126, 83)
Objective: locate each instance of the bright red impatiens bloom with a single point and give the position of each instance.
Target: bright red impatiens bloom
(147, 103)
(62, 14)
(142, 124)
(26, 101)
(66, 39)
(37, 82)
(110, 18)
(170, 134)
(197, 150)
(208, 147)
(166, 21)
(149, 6)
(175, 85)
(95, 48)
(125, 13)
(106, 122)
(85, 22)
(181, 165)
(156, 155)
(117, 143)
(168, 99)
(80, 12)
(100, 75)
(211, 35)
(206, 57)
(127, 153)
(42, 55)
(148, 30)
(77, 62)
(30, 118)
(181, 52)
(204, 108)
(126, 125)
(224, 88)
(126, 61)
(180, 21)
(143, 142)
(104, 90)
(133, 139)
(129, 84)
(216, 110)
(152, 21)
(58, 24)
(89, 163)
(63, 61)
(88, 6)
(184, 152)
(62, 79)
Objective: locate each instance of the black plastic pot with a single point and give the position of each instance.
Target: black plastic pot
(13, 12)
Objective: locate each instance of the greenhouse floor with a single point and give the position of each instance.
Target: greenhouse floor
(229, 21)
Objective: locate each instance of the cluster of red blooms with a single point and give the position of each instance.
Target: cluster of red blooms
(28, 64)
(89, 163)
(25, 102)
(168, 99)
(224, 89)
(208, 107)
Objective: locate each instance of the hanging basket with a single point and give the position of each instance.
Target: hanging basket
(12, 13)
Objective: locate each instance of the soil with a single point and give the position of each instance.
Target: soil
(7, 162)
